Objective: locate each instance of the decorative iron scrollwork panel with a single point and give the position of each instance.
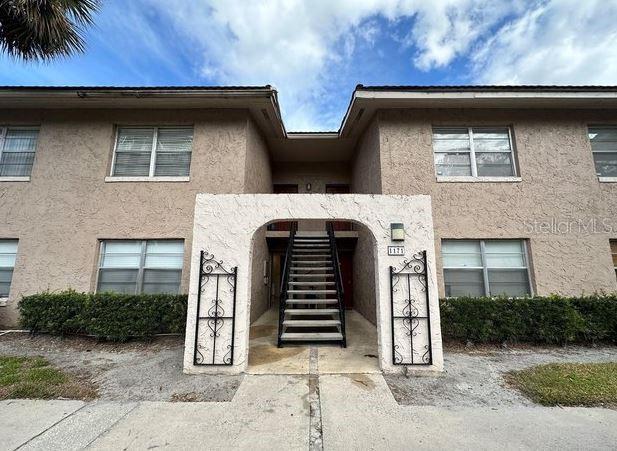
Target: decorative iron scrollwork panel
(411, 326)
(216, 312)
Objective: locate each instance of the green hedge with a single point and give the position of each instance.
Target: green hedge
(109, 316)
(542, 320)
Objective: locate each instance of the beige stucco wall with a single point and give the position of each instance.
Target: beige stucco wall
(67, 207)
(364, 296)
(366, 166)
(558, 183)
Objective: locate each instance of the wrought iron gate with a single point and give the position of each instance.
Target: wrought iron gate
(216, 312)
(410, 311)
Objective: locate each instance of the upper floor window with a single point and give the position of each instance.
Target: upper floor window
(473, 151)
(8, 252)
(604, 147)
(17, 147)
(153, 152)
(141, 266)
(485, 268)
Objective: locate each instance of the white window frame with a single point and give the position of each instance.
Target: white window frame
(4, 298)
(142, 260)
(474, 177)
(613, 254)
(3, 130)
(601, 178)
(150, 177)
(485, 268)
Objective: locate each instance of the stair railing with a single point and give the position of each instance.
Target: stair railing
(285, 279)
(338, 280)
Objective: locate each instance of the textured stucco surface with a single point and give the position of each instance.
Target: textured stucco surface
(364, 275)
(64, 210)
(366, 168)
(218, 231)
(558, 183)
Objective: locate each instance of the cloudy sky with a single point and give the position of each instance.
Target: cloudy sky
(316, 51)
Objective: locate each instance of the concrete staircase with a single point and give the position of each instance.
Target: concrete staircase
(312, 310)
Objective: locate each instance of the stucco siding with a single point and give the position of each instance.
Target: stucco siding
(558, 185)
(366, 167)
(257, 173)
(67, 207)
(364, 296)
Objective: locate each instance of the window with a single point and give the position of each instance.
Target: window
(485, 268)
(153, 152)
(17, 147)
(153, 266)
(614, 254)
(8, 252)
(473, 152)
(604, 147)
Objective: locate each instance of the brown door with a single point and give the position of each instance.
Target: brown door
(346, 261)
(340, 189)
(283, 189)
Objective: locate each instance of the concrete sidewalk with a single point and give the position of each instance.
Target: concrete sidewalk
(357, 411)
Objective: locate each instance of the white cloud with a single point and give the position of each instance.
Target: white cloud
(297, 45)
(557, 42)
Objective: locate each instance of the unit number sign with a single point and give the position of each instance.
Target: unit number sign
(396, 250)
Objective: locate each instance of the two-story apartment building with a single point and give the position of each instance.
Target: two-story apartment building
(98, 185)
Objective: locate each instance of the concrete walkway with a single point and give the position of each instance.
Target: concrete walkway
(348, 411)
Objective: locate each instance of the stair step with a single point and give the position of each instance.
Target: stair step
(311, 262)
(312, 240)
(310, 234)
(311, 291)
(311, 322)
(311, 311)
(305, 276)
(312, 282)
(311, 268)
(311, 336)
(295, 256)
(311, 245)
(311, 301)
(308, 250)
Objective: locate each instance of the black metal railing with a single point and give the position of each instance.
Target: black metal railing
(285, 278)
(340, 292)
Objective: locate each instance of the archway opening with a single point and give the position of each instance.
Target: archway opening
(355, 246)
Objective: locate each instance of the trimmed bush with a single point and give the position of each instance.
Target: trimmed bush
(541, 320)
(109, 316)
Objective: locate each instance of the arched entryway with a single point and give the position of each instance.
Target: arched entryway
(225, 227)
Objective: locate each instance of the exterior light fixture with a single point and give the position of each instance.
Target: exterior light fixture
(397, 231)
(308, 187)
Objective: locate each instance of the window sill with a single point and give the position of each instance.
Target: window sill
(112, 179)
(469, 179)
(607, 179)
(15, 179)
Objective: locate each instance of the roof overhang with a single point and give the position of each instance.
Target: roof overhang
(261, 101)
(366, 100)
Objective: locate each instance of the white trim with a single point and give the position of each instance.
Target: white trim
(4, 302)
(607, 179)
(472, 179)
(10, 178)
(145, 178)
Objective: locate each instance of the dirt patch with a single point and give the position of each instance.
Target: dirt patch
(134, 371)
(261, 331)
(264, 354)
(476, 377)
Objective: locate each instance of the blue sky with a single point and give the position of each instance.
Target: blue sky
(315, 51)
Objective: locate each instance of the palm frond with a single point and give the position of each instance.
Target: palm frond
(44, 29)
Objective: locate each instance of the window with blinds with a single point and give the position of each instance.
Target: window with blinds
(604, 146)
(485, 268)
(473, 152)
(17, 148)
(153, 152)
(141, 266)
(8, 252)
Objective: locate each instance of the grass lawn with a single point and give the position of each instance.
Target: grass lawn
(568, 384)
(35, 378)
